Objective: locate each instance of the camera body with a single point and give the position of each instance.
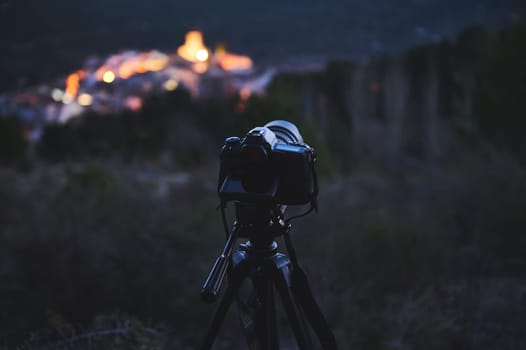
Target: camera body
(267, 166)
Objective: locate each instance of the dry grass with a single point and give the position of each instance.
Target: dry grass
(397, 260)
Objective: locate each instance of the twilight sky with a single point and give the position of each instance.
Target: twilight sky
(280, 26)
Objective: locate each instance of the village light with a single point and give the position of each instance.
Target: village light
(193, 49)
(57, 95)
(133, 103)
(73, 82)
(108, 77)
(85, 100)
(201, 55)
(170, 85)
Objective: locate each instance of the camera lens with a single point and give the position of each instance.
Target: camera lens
(285, 131)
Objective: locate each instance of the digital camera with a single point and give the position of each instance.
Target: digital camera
(271, 164)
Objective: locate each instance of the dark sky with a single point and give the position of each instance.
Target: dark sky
(42, 39)
(283, 25)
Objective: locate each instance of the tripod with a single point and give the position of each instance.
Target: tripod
(259, 261)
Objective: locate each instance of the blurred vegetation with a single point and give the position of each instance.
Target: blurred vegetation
(394, 258)
(13, 146)
(415, 260)
(127, 136)
(500, 95)
(88, 241)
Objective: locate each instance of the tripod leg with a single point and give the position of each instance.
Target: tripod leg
(236, 277)
(297, 322)
(218, 318)
(265, 318)
(303, 294)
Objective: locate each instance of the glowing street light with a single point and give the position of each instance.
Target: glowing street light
(108, 77)
(170, 85)
(201, 55)
(57, 95)
(85, 100)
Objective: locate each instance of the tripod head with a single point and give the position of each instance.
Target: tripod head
(260, 224)
(260, 221)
